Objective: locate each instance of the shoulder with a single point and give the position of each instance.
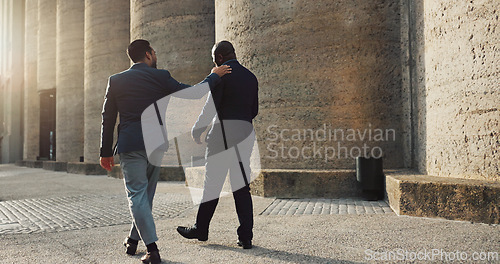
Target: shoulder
(248, 73)
(162, 72)
(119, 75)
(157, 73)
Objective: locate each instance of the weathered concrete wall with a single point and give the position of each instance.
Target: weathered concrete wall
(321, 62)
(69, 80)
(462, 93)
(46, 71)
(11, 80)
(107, 36)
(182, 36)
(31, 99)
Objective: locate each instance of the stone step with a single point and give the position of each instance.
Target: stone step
(32, 163)
(55, 165)
(410, 193)
(85, 168)
(292, 183)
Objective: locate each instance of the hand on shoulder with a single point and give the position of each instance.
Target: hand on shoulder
(221, 70)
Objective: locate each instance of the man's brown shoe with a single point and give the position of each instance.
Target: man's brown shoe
(151, 257)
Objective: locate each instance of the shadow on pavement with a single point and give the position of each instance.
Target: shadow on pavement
(280, 255)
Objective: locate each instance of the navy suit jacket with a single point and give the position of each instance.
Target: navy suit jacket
(235, 98)
(129, 93)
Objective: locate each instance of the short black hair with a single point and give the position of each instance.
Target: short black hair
(224, 48)
(137, 49)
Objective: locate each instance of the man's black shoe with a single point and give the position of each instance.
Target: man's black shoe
(192, 232)
(151, 257)
(131, 247)
(246, 244)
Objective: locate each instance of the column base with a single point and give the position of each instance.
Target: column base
(33, 163)
(86, 168)
(55, 165)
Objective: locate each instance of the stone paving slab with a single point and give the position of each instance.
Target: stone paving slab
(89, 211)
(278, 239)
(79, 212)
(326, 206)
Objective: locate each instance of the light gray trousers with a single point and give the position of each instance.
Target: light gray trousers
(140, 179)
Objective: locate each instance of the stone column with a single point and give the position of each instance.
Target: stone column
(3, 53)
(182, 36)
(11, 80)
(323, 67)
(69, 80)
(46, 71)
(31, 100)
(107, 36)
(461, 89)
(3, 79)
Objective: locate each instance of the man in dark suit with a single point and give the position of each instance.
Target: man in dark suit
(129, 93)
(229, 145)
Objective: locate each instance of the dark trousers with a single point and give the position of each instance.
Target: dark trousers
(244, 209)
(220, 161)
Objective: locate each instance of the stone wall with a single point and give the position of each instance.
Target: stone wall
(332, 63)
(105, 54)
(461, 97)
(69, 80)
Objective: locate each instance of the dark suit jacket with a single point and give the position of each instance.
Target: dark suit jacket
(235, 98)
(129, 93)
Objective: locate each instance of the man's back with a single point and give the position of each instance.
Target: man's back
(137, 88)
(238, 98)
(129, 93)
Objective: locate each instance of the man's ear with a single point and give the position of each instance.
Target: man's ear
(220, 58)
(148, 55)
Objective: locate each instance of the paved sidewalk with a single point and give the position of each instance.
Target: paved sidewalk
(56, 217)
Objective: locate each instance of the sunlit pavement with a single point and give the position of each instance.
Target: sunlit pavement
(56, 217)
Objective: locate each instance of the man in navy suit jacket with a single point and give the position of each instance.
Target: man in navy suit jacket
(128, 94)
(230, 142)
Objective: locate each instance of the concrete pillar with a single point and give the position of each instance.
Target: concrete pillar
(182, 36)
(413, 11)
(3, 79)
(69, 80)
(46, 76)
(461, 83)
(107, 35)
(46, 72)
(323, 67)
(31, 100)
(12, 80)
